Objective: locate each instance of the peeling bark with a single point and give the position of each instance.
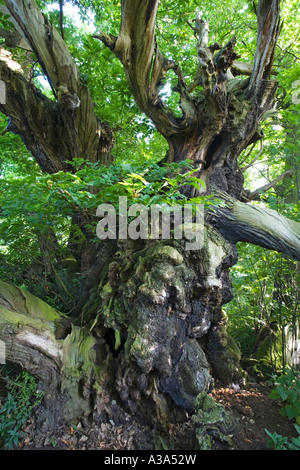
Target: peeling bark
(154, 330)
(165, 305)
(60, 130)
(255, 195)
(261, 226)
(215, 129)
(64, 358)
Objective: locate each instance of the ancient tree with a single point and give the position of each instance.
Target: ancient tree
(151, 335)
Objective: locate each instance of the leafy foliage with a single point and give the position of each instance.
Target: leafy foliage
(37, 209)
(266, 293)
(287, 390)
(279, 442)
(23, 396)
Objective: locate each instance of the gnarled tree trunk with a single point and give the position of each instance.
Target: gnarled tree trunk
(152, 333)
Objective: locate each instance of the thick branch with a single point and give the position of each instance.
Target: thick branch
(33, 117)
(47, 44)
(27, 328)
(268, 30)
(59, 355)
(146, 67)
(243, 68)
(255, 195)
(81, 128)
(240, 222)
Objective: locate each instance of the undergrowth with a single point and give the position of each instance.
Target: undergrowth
(22, 397)
(287, 390)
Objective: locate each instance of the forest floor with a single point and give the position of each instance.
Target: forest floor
(251, 411)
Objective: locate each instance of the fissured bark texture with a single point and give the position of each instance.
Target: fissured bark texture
(163, 307)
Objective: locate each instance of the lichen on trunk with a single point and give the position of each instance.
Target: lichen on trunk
(152, 336)
(65, 365)
(163, 303)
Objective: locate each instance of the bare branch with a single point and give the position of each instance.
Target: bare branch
(255, 195)
(145, 66)
(108, 39)
(262, 148)
(244, 68)
(268, 30)
(47, 44)
(240, 222)
(75, 112)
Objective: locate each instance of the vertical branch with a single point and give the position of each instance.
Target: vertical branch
(47, 44)
(146, 67)
(61, 18)
(201, 30)
(82, 131)
(268, 30)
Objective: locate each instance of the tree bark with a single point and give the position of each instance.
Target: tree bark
(215, 128)
(63, 357)
(261, 226)
(54, 131)
(154, 331)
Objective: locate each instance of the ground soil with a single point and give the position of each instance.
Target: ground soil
(251, 411)
(254, 412)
